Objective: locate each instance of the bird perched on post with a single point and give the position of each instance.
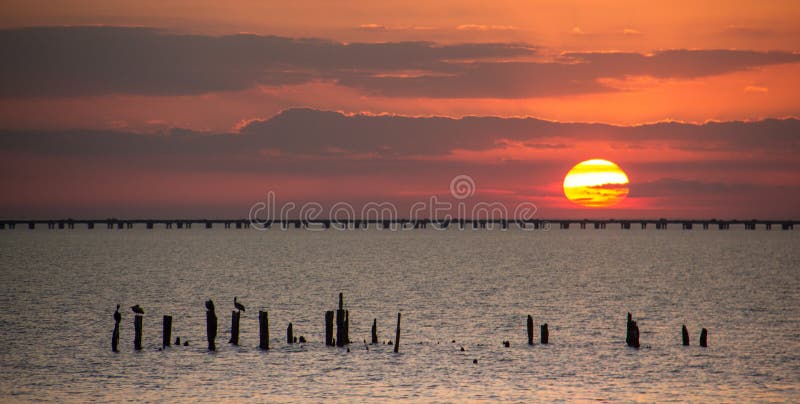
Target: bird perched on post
(210, 305)
(136, 309)
(117, 315)
(238, 305)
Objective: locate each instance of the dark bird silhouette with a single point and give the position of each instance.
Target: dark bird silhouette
(210, 305)
(117, 315)
(136, 309)
(238, 305)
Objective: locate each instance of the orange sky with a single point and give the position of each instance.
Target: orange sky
(624, 63)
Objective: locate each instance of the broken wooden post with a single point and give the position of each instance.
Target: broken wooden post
(137, 332)
(289, 334)
(545, 334)
(263, 330)
(685, 335)
(397, 335)
(329, 328)
(166, 333)
(347, 326)
(375, 331)
(341, 338)
(704, 338)
(530, 330)
(235, 315)
(632, 334)
(211, 326)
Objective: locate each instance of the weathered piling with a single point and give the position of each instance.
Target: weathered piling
(289, 334)
(397, 335)
(166, 332)
(329, 328)
(341, 332)
(545, 334)
(375, 331)
(347, 326)
(704, 338)
(235, 315)
(211, 326)
(685, 335)
(263, 330)
(115, 334)
(530, 330)
(632, 334)
(137, 332)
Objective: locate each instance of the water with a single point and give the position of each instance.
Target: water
(59, 289)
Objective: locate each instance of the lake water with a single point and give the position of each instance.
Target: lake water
(59, 289)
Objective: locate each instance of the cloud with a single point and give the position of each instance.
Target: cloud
(373, 27)
(90, 61)
(631, 31)
(313, 153)
(481, 27)
(678, 63)
(86, 61)
(756, 89)
(749, 32)
(675, 187)
(311, 133)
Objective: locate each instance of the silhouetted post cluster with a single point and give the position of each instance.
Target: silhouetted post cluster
(375, 331)
(632, 337)
(703, 337)
(544, 332)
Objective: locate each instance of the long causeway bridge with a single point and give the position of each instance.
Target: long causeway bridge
(659, 224)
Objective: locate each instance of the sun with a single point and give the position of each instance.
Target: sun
(596, 183)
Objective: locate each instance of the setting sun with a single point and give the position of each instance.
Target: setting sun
(596, 183)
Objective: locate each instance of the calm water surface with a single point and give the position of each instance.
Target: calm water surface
(59, 289)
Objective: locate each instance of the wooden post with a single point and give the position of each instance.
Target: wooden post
(375, 331)
(632, 334)
(289, 334)
(263, 330)
(347, 326)
(341, 336)
(685, 335)
(211, 329)
(397, 335)
(115, 337)
(329, 328)
(235, 315)
(704, 338)
(166, 334)
(530, 330)
(137, 332)
(545, 334)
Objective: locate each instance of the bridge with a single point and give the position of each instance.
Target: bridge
(625, 224)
